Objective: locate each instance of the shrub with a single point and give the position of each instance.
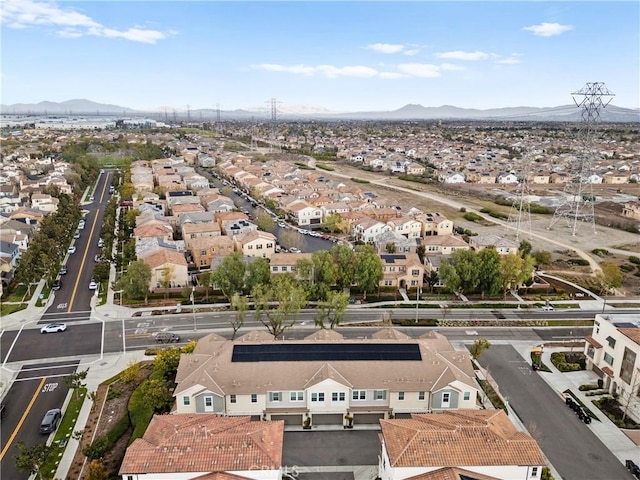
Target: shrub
(472, 217)
(601, 252)
(627, 268)
(579, 261)
(359, 180)
(634, 259)
(325, 167)
(588, 386)
(462, 209)
(568, 361)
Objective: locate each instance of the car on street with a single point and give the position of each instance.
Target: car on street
(72, 249)
(548, 308)
(93, 285)
(63, 270)
(50, 420)
(294, 250)
(57, 285)
(76, 235)
(282, 225)
(167, 337)
(54, 328)
(81, 225)
(100, 243)
(96, 258)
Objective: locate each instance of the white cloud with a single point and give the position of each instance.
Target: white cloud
(389, 48)
(327, 70)
(420, 69)
(451, 66)
(28, 13)
(514, 59)
(391, 75)
(548, 29)
(386, 47)
(460, 55)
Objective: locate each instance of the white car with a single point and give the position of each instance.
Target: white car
(100, 243)
(81, 225)
(93, 285)
(53, 328)
(76, 235)
(548, 308)
(282, 225)
(72, 249)
(294, 250)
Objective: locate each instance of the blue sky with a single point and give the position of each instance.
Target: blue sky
(342, 56)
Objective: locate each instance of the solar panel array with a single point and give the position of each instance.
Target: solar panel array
(310, 352)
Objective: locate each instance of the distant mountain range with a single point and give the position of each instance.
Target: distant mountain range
(565, 113)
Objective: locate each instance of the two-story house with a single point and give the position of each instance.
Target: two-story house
(325, 377)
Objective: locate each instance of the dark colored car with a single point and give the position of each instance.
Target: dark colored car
(57, 285)
(167, 337)
(50, 420)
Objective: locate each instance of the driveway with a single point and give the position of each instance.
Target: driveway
(331, 448)
(574, 451)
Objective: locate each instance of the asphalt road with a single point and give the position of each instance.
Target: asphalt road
(37, 389)
(75, 294)
(568, 443)
(82, 339)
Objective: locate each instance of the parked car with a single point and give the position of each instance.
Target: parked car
(76, 235)
(81, 225)
(63, 270)
(167, 337)
(57, 285)
(294, 250)
(50, 420)
(54, 328)
(100, 243)
(96, 258)
(72, 249)
(282, 225)
(548, 308)
(93, 285)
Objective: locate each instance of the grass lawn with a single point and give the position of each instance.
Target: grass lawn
(14, 307)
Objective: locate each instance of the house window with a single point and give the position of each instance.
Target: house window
(259, 246)
(254, 398)
(400, 395)
(269, 245)
(359, 395)
(380, 394)
(275, 396)
(388, 283)
(467, 395)
(337, 397)
(317, 397)
(534, 471)
(296, 396)
(186, 401)
(415, 273)
(608, 358)
(611, 341)
(232, 399)
(274, 269)
(446, 398)
(420, 395)
(249, 247)
(626, 369)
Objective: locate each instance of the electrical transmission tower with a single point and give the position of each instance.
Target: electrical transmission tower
(274, 124)
(578, 200)
(519, 220)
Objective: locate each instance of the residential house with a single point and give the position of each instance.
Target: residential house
(613, 352)
(288, 380)
(168, 267)
(191, 231)
(631, 209)
(507, 178)
(406, 226)
(286, 262)
(303, 213)
(452, 177)
(502, 245)
(392, 242)
(204, 249)
(434, 224)
(206, 446)
(44, 202)
(615, 178)
(30, 216)
(149, 230)
(539, 178)
(402, 271)
(367, 229)
(415, 169)
(444, 245)
(256, 244)
(458, 445)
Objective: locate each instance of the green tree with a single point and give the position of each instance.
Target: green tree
(488, 271)
(448, 275)
(229, 275)
(166, 361)
(319, 274)
(466, 264)
(611, 275)
(290, 238)
(206, 280)
(515, 270)
(75, 382)
(264, 221)
(369, 271)
(277, 303)
(421, 251)
(345, 262)
(333, 222)
(157, 394)
(135, 282)
(258, 271)
(101, 271)
(390, 247)
(525, 248)
(432, 279)
(332, 309)
(542, 257)
(479, 346)
(240, 304)
(30, 459)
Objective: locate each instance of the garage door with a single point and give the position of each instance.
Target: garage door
(368, 417)
(288, 419)
(403, 415)
(327, 419)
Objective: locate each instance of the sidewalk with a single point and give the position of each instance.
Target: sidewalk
(610, 435)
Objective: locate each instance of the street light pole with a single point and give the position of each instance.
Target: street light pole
(193, 308)
(417, 299)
